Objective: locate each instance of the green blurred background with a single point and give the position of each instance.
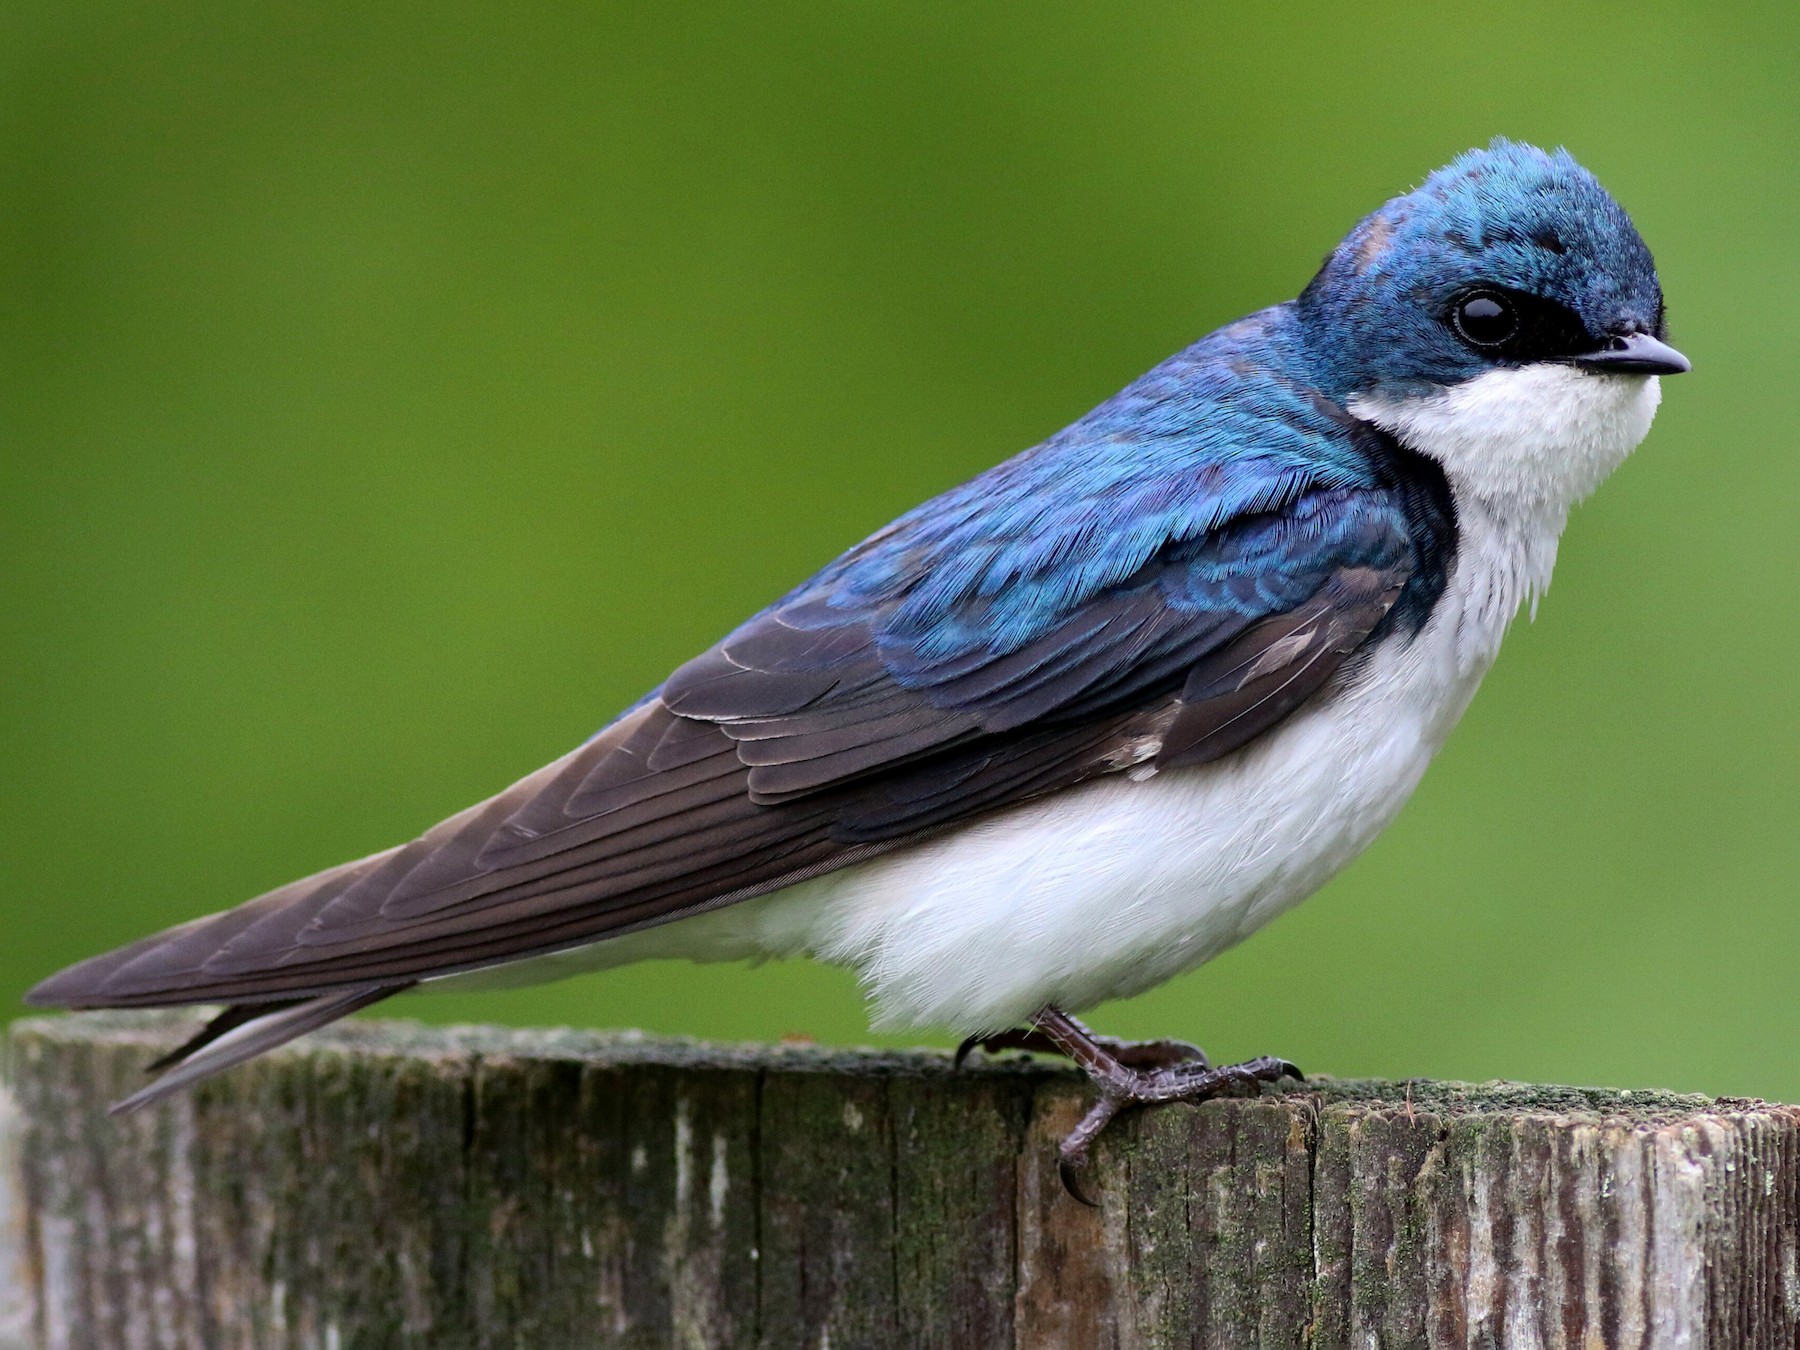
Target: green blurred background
(391, 393)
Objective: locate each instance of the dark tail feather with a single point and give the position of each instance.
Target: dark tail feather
(229, 1020)
(245, 1031)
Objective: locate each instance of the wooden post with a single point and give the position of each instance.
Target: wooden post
(391, 1185)
(15, 1280)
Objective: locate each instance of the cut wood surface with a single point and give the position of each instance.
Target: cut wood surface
(383, 1184)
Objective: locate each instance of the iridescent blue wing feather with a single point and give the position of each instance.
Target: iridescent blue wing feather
(1084, 576)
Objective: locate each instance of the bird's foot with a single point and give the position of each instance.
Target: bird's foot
(1132, 1054)
(1123, 1085)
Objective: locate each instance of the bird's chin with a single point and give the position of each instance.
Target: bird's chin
(1546, 434)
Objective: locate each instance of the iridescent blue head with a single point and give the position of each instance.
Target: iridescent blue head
(1507, 257)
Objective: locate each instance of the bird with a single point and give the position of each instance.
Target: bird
(1073, 727)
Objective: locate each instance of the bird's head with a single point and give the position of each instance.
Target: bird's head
(1509, 297)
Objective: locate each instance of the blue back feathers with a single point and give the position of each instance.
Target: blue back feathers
(1090, 574)
(1227, 433)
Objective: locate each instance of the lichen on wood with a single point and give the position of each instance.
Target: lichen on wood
(383, 1184)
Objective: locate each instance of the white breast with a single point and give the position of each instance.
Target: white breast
(1104, 890)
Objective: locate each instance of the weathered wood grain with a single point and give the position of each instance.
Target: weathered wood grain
(15, 1300)
(388, 1185)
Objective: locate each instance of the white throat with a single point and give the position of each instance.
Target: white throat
(1539, 438)
(1520, 447)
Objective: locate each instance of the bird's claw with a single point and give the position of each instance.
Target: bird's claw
(1127, 1073)
(1018, 1038)
(1071, 1170)
(1128, 1088)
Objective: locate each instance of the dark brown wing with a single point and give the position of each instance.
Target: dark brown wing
(651, 820)
(1238, 692)
(655, 818)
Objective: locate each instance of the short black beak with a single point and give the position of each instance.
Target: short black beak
(1635, 354)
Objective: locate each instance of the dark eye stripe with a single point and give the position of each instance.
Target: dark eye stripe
(1516, 326)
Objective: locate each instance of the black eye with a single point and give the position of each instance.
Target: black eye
(1516, 327)
(1485, 319)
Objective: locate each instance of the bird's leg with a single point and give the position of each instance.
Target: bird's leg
(1132, 1054)
(1123, 1086)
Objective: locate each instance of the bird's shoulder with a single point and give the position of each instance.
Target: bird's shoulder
(1084, 576)
(1222, 459)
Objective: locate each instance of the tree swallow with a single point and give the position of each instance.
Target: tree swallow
(1071, 728)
